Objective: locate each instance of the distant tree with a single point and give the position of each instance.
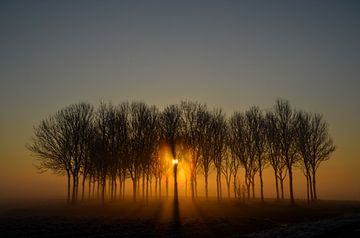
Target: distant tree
(205, 146)
(171, 125)
(241, 146)
(129, 140)
(61, 142)
(218, 149)
(256, 124)
(192, 137)
(303, 141)
(51, 148)
(103, 154)
(122, 144)
(274, 151)
(286, 119)
(227, 169)
(143, 138)
(321, 146)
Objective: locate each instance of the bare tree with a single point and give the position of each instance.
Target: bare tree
(286, 119)
(143, 138)
(61, 142)
(51, 148)
(228, 169)
(321, 146)
(205, 147)
(171, 123)
(126, 141)
(103, 154)
(122, 143)
(241, 147)
(303, 140)
(192, 137)
(274, 152)
(219, 139)
(256, 124)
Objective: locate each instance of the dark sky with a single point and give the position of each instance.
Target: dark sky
(232, 54)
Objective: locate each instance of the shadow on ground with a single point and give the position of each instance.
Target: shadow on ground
(184, 218)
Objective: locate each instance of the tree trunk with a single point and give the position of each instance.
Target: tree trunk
(310, 188)
(120, 187)
(167, 186)
(195, 187)
(292, 200)
(98, 188)
(228, 188)
(77, 187)
(218, 184)
(143, 186)
(307, 187)
(93, 188)
(115, 187)
(68, 186)
(147, 188)
(247, 183)
(156, 185)
(206, 185)
(123, 188)
(282, 187)
(314, 185)
(74, 190)
(89, 186)
(192, 187)
(151, 187)
(103, 190)
(234, 183)
(261, 184)
(253, 188)
(83, 188)
(138, 187)
(160, 177)
(277, 186)
(134, 188)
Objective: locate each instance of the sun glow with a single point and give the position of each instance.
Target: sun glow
(182, 161)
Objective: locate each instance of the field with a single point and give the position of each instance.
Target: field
(188, 219)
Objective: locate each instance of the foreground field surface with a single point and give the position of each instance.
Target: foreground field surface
(187, 219)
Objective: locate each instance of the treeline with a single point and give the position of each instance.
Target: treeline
(112, 144)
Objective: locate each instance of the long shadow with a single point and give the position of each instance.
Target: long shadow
(176, 222)
(206, 221)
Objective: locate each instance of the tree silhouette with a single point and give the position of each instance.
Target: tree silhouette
(240, 146)
(286, 119)
(116, 143)
(321, 146)
(170, 124)
(206, 143)
(61, 142)
(219, 138)
(256, 124)
(193, 136)
(303, 140)
(276, 161)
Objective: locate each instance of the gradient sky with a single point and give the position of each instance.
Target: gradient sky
(232, 54)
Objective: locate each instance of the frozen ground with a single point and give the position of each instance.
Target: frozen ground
(188, 219)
